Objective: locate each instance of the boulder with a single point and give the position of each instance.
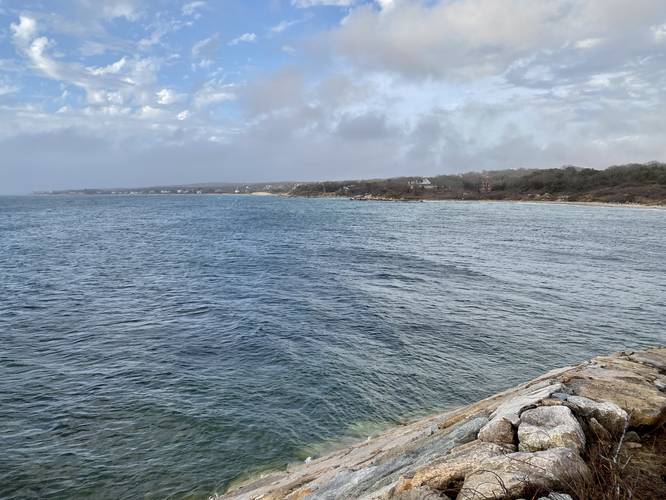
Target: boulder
(499, 431)
(517, 474)
(633, 390)
(457, 464)
(613, 418)
(511, 409)
(500, 428)
(548, 427)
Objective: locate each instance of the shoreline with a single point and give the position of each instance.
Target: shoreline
(611, 404)
(555, 202)
(526, 202)
(657, 206)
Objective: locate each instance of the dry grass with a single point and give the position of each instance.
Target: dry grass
(625, 472)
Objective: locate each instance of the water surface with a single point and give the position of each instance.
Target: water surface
(161, 346)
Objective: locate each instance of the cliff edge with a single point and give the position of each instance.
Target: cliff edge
(595, 430)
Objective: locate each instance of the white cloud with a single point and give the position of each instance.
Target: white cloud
(214, 92)
(659, 32)
(244, 38)
(386, 4)
(113, 9)
(120, 82)
(105, 97)
(111, 69)
(120, 8)
(283, 26)
(302, 4)
(470, 39)
(206, 47)
(588, 43)
(404, 86)
(150, 113)
(193, 8)
(202, 64)
(7, 88)
(167, 97)
(25, 30)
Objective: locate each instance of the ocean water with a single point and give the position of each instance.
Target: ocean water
(160, 347)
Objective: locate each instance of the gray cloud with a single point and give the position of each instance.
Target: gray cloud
(401, 88)
(477, 38)
(365, 127)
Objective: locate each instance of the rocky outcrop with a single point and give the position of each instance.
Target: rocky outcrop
(629, 381)
(609, 415)
(546, 427)
(514, 475)
(534, 441)
(459, 463)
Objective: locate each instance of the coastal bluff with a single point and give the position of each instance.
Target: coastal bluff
(594, 430)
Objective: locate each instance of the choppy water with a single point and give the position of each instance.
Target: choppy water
(160, 346)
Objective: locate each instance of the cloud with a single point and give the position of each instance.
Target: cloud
(588, 43)
(167, 97)
(368, 126)
(473, 39)
(206, 47)
(244, 38)
(122, 81)
(193, 8)
(7, 88)
(659, 32)
(283, 26)
(404, 87)
(25, 30)
(302, 4)
(281, 90)
(113, 9)
(150, 113)
(111, 69)
(214, 92)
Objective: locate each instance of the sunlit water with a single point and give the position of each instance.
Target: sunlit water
(162, 346)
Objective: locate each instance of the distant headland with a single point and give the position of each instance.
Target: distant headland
(631, 184)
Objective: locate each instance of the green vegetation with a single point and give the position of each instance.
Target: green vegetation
(633, 183)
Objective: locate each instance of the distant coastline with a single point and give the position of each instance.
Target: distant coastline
(633, 184)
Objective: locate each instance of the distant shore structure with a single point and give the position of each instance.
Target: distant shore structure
(643, 184)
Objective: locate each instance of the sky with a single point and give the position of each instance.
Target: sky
(125, 93)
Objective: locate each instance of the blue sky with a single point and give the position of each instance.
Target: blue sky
(128, 92)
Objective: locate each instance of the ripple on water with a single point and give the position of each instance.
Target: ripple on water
(165, 346)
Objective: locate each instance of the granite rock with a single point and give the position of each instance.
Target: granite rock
(548, 427)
